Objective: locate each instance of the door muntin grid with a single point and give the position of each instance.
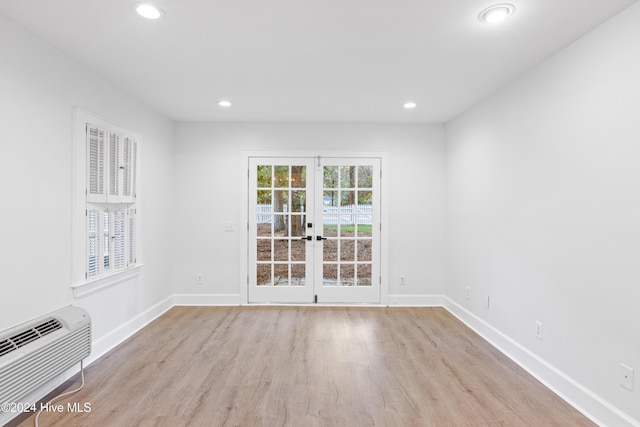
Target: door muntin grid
(281, 212)
(347, 225)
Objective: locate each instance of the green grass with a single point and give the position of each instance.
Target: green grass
(362, 228)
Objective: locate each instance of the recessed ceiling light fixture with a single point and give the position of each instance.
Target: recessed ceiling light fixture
(496, 13)
(224, 104)
(410, 105)
(148, 10)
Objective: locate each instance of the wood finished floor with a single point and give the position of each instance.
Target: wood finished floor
(309, 366)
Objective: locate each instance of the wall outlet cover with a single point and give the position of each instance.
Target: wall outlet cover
(626, 376)
(539, 330)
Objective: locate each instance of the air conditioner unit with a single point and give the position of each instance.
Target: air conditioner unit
(36, 351)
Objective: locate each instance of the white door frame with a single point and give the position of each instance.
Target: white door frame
(244, 228)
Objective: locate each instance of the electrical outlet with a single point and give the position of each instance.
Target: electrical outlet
(402, 281)
(228, 226)
(539, 330)
(468, 292)
(486, 301)
(199, 279)
(626, 376)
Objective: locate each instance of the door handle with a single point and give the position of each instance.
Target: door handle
(306, 238)
(320, 238)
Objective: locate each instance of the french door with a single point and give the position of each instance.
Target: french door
(314, 230)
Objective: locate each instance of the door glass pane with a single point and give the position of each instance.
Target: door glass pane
(264, 176)
(347, 198)
(365, 176)
(264, 225)
(347, 250)
(264, 249)
(330, 176)
(298, 176)
(280, 225)
(330, 250)
(364, 249)
(263, 274)
(347, 275)
(281, 202)
(298, 250)
(364, 275)
(364, 198)
(329, 200)
(330, 226)
(347, 176)
(281, 176)
(298, 274)
(364, 225)
(298, 201)
(330, 275)
(281, 250)
(281, 275)
(264, 198)
(297, 225)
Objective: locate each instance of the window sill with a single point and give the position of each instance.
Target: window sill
(95, 285)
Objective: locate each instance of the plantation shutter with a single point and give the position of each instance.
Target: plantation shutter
(114, 167)
(95, 164)
(128, 167)
(111, 168)
(118, 239)
(131, 260)
(94, 248)
(106, 240)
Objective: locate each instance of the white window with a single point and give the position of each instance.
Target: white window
(106, 177)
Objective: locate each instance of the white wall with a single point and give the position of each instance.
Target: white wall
(209, 175)
(543, 210)
(39, 88)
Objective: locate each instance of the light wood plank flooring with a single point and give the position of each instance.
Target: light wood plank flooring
(309, 366)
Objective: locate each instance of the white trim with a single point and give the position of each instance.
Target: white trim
(108, 342)
(79, 187)
(244, 210)
(207, 299)
(416, 301)
(575, 394)
(87, 288)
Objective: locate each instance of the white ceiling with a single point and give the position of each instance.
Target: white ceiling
(310, 60)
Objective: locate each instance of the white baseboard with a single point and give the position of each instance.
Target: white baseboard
(206, 299)
(584, 400)
(106, 343)
(416, 300)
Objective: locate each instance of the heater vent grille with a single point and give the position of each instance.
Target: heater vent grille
(28, 336)
(36, 352)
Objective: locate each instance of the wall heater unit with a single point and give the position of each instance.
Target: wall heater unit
(36, 351)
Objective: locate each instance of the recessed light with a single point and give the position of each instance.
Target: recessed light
(496, 13)
(224, 104)
(149, 11)
(410, 105)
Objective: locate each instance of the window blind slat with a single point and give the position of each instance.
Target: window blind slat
(95, 163)
(93, 243)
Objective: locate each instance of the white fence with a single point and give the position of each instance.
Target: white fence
(345, 215)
